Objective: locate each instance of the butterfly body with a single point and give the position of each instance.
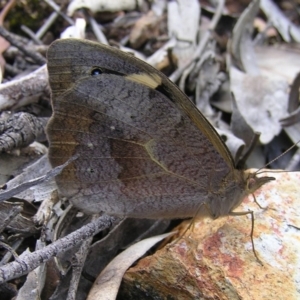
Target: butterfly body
(144, 150)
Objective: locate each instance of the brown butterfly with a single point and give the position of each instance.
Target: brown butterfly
(144, 149)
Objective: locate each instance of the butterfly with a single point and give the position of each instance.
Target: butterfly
(144, 149)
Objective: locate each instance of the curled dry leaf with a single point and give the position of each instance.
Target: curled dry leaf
(107, 284)
(293, 104)
(291, 123)
(127, 233)
(242, 50)
(261, 101)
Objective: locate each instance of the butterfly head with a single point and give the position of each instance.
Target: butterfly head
(254, 182)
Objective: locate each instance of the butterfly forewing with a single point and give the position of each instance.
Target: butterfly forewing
(141, 149)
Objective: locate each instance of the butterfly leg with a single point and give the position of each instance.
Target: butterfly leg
(207, 212)
(243, 213)
(257, 203)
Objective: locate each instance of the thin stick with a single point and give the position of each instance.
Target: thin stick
(30, 261)
(56, 8)
(36, 57)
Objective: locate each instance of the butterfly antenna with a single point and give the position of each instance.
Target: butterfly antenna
(282, 154)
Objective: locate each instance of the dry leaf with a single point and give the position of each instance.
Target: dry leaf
(242, 46)
(261, 101)
(278, 61)
(34, 284)
(75, 31)
(107, 284)
(103, 5)
(183, 24)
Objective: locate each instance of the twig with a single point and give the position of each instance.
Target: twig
(57, 9)
(97, 31)
(39, 59)
(9, 249)
(28, 87)
(7, 257)
(30, 261)
(12, 213)
(47, 24)
(9, 5)
(31, 34)
(20, 130)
